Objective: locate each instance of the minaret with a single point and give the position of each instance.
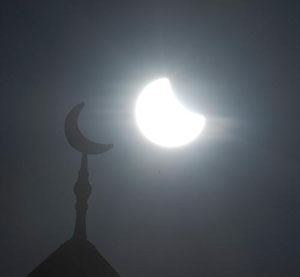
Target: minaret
(77, 257)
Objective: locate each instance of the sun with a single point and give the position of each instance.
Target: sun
(162, 119)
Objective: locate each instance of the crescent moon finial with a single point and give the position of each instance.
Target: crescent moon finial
(76, 139)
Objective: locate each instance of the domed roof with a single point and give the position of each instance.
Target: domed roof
(76, 258)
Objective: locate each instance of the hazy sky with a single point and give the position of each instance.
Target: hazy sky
(226, 205)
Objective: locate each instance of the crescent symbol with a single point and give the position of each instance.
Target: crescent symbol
(77, 139)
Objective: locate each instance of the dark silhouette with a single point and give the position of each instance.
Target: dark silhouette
(77, 139)
(78, 257)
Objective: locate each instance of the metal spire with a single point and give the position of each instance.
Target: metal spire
(82, 190)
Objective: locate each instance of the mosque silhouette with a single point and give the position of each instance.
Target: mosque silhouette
(78, 257)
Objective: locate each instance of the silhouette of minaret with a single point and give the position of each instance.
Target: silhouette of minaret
(77, 257)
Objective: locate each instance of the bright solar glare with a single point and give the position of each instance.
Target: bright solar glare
(162, 119)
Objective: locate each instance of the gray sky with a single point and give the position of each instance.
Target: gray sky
(226, 205)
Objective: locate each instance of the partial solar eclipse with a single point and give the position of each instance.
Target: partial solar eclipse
(162, 119)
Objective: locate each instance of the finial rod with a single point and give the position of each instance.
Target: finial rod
(82, 190)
